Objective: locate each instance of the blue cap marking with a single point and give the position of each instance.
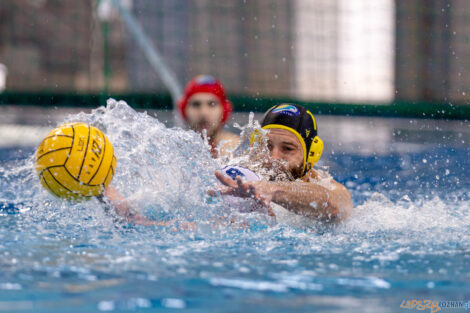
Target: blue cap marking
(206, 80)
(286, 109)
(233, 173)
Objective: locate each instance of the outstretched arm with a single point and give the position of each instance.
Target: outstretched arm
(124, 209)
(305, 198)
(313, 200)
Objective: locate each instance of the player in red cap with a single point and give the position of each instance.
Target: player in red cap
(205, 107)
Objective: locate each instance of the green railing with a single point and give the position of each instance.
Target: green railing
(433, 110)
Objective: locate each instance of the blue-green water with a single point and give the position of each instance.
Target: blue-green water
(408, 238)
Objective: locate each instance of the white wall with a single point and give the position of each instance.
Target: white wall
(345, 50)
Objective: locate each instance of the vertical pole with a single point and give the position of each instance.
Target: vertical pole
(151, 53)
(106, 67)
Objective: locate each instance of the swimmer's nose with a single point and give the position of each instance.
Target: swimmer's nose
(204, 110)
(276, 153)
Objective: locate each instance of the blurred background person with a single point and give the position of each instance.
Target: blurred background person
(206, 109)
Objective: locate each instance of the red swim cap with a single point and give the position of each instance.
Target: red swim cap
(206, 83)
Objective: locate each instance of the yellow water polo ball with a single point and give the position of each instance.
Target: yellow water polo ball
(75, 161)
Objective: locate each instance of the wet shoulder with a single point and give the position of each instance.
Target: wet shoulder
(315, 175)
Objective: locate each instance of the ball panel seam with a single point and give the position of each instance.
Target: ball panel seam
(102, 157)
(47, 168)
(78, 181)
(57, 135)
(48, 187)
(58, 182)
(73, 138)
(86, 151)
(51, 151)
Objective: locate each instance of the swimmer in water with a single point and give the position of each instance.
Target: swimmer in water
(293, 148)
(205, 107)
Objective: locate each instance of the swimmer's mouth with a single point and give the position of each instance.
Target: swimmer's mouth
(205, 125)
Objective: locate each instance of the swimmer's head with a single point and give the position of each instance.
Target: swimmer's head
(204, 104)
(292, 137)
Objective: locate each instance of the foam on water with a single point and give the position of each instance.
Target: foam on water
(401, 239)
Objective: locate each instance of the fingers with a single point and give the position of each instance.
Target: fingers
(271, 212)
(255, 193)
(252, 191)
(230, 192)
(238, 188)
(239, 182)
(244, 187)
(222, 191)
(262, 199)
(227, 181)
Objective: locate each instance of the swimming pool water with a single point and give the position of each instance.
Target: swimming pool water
(408, 238)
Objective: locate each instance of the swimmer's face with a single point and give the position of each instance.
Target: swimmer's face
(284, 145)
(204, 111)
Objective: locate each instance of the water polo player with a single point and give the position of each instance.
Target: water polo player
(294, 146)
(205, 107)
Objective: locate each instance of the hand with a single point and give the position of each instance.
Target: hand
(260, 191)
